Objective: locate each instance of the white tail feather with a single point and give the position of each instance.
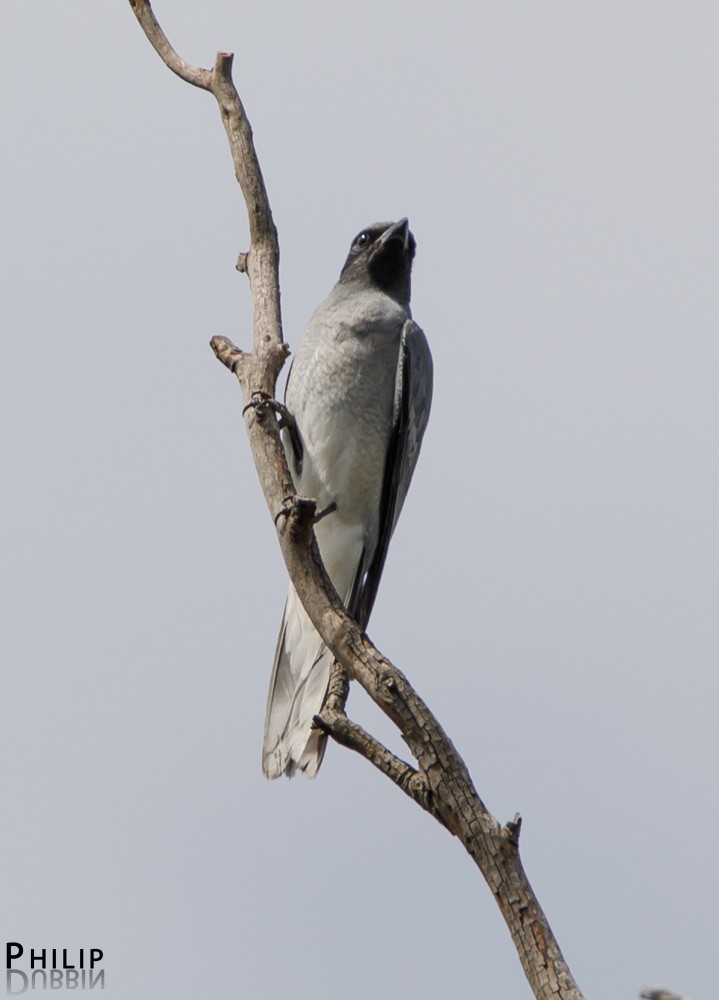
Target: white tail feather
(299, 682)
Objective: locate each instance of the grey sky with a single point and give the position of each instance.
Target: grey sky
(552, 587)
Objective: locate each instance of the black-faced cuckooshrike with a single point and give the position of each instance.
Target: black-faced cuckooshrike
(359, 389)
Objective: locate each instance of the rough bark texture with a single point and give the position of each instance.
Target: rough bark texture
(440, 783)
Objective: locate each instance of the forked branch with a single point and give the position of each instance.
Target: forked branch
(441, 783)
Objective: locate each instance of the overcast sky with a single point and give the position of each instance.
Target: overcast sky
(552, 588)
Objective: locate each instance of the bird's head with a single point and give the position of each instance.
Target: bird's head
(381, 256)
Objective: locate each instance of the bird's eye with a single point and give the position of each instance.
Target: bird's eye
(362, 240)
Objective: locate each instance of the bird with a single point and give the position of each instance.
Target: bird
(358, 397)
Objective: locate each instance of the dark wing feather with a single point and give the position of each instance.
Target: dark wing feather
(412, 399)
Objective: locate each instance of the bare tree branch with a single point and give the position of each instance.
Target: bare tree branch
(349, 734)
(197, 77)
(441, 784)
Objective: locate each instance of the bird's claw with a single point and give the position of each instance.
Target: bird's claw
(262, 400)
(304, 509)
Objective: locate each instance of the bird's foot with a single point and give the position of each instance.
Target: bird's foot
(298, 513)
(262, 402)
(301, 513)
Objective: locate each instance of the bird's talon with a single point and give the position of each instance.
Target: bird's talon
(259, 399)
(262, 400)
(303, 508)
(288, 505)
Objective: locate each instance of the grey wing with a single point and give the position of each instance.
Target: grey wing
(412, 400)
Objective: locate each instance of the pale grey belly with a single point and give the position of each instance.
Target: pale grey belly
(342, 397)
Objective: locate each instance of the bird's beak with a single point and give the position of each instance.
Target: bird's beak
(399, 231)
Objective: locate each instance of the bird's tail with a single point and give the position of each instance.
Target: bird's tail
(297, 689)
